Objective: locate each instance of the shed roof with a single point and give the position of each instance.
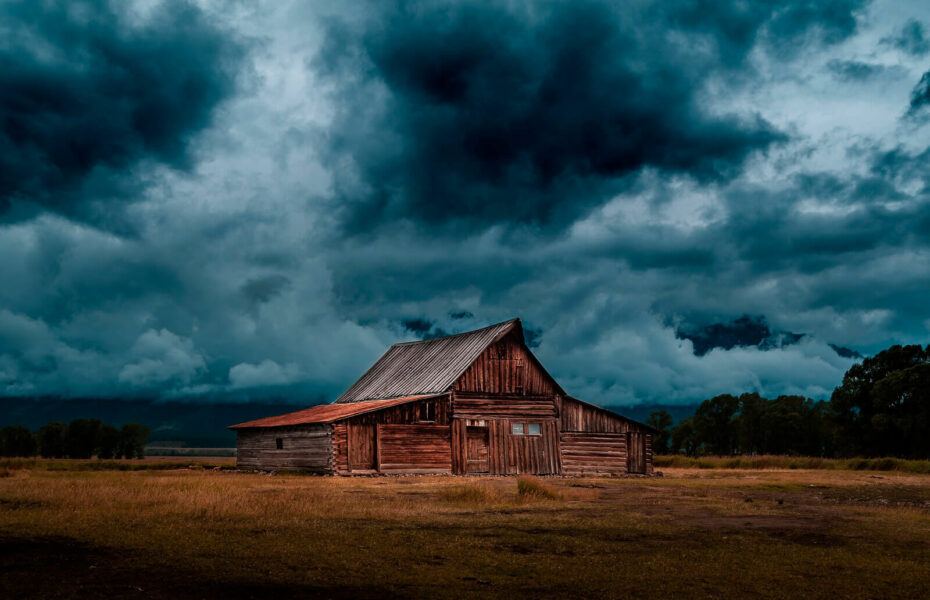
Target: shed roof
(326, 413)
(427, 367)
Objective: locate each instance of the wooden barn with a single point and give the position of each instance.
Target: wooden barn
(476, 402)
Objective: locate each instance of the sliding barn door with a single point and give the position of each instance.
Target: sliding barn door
(362, 453)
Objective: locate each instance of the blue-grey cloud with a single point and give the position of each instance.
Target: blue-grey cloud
(487, 113)
(619, 178)
(91, 89)
(911, 38)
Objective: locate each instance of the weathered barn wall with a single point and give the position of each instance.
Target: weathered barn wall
(506, 367)
(387, 430)
(303, 447)
(414, 449)
(576, 416)
(593, 453)
(594, 441)
(507, 453)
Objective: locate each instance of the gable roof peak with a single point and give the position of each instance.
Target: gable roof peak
(514, 321)
(425, 366)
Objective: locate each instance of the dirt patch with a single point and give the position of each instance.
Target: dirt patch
(85, 571)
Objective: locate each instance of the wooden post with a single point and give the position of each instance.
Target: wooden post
(378, 447)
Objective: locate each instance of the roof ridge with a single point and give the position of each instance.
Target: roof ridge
(445, 337)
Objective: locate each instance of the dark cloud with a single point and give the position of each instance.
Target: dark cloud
(588, 167)
(532, 336)
(746, 331)
(487, 113)
(920, 96)
(88, 90)
(423, 329)
(263, 289)
(742, 331)
(854, 70)
(846, 352)
(911, 38)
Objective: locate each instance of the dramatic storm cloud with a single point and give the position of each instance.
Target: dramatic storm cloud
(204, 200)
(91, 89)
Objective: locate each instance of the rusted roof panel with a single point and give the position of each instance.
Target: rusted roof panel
(427, 367)
(327, 413)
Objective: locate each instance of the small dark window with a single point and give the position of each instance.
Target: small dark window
(428, 411)
(279, 443)
(533, 429)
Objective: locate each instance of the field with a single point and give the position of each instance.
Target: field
(200, 532)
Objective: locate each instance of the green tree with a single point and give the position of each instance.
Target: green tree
(52, 440)
(108, 442)
(662, 422)
(750, 431)
(81, 438)
(715, 426)
(683, 438)
(16, 440)
(881, 408)
(132, 441)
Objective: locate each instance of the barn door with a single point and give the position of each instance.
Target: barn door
(636, 452)
(361, 447)
(476, 450)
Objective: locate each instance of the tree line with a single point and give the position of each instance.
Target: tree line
(81, 438)
(882, 408)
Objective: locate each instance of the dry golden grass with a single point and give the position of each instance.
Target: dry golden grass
(202, 533)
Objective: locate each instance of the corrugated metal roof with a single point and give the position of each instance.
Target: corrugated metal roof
(326, 413)
(427, 367)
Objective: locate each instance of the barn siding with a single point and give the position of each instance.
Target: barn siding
(414, 449)
(593, 453)
(576, 416)
(596, 442)
(506, 367)
(305, 447)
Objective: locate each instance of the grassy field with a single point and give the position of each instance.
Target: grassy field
(793, 462)
(202, 532)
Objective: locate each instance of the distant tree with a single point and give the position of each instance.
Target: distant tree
(882, 406)
(684, 438)
(52, 440)
(786, 425)
(662, 422)
(715, 427)
(17, 441)
(108, 442)
(132, 441)
(750, 431)
(81, 438)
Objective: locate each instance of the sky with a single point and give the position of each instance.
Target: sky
(253, 200)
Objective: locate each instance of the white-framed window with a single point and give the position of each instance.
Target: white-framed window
(526, 428)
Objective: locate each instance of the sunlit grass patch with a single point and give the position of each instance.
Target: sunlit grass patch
(529, 488)
(478, 493)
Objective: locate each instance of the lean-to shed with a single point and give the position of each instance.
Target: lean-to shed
(475, 402)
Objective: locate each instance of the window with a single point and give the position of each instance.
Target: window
(526, 428)
(279, 443)
(428, 411)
